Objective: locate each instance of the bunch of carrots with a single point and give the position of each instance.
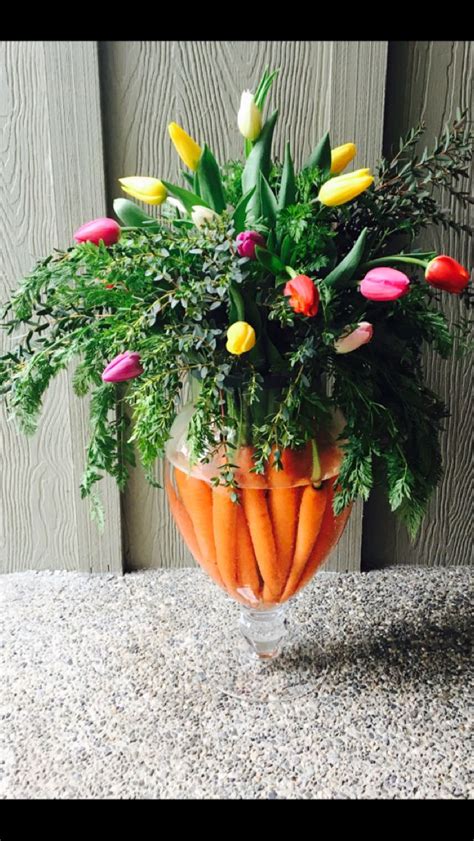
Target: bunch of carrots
(268, 545)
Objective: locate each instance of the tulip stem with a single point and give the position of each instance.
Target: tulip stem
(395, 258)
(316, 471)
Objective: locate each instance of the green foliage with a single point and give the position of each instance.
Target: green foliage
(321, 156)
(407, 197)
(287, 192)
(210, 183)
(231, 175)
(169, 291)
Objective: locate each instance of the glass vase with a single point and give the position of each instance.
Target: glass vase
(263, 540)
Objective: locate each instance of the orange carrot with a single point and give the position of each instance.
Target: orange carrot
(284, 504)
(330, 458)
(224, 520)
(249, 581)
(260, 527)
(313, 504)
(331, 530)
(185, 526)
(182, 518)
(196, 496)
(296, 467)
(244, 458)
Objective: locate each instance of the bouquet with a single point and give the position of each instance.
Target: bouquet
(292, 304)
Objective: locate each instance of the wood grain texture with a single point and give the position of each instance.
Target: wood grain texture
(428, 80)
(53, 180)
(337, 85)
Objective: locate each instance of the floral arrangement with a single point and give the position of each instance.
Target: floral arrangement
(292, 300)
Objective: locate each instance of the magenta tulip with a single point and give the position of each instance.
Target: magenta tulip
(246, 242)
(351, 341)
(104, 229)
(384, 284)
(125, 366)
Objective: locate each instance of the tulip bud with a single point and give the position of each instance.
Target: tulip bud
(304, 295)
(246, 242)
(201, 216)
(351, 341)
(176, 203)
(107, 230)
(344, 188)
(249, 118)
(125, 366)
(148, 190)
(188, 150)
(240, 338)
(384, 284)
(341, 156)
(447, 274)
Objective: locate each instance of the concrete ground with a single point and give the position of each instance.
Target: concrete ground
(131, 688)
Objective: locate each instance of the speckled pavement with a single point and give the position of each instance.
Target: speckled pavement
(124, 688)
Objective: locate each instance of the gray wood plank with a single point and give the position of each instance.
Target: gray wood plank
(428, 80)
(339, 85)
(53, 181)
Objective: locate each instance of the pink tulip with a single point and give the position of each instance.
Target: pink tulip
(104, 229)
(125, 366)
(351, 341)
(384, 284)
(246, 242)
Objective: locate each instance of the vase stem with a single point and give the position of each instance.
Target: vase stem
(264, 630)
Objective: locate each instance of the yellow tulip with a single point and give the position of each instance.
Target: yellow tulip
(188, 150)
(341, 156)
(344, 188)
(148, 190)
(240, 338)
(348, 175)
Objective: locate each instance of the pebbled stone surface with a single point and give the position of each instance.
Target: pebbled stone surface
(132, 687)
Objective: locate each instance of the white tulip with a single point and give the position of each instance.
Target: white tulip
(176, 203)
(201, 216)
(249, 118)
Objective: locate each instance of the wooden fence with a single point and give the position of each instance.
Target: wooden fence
(77, 115)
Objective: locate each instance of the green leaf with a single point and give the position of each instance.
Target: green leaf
(258, 162)
(270, 261)
(190, 179)
(346, 268)
(268, 202)
(321, 156)
(252, 313)
(209, 181)
(185, 196)
(133, 216)
(275, 359)
(287, 248)
(263, 88)
(241, 211)
(236, 309)
(287, 194)
(195, 184)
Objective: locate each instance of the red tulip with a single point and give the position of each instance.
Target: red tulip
(104, 229)
(125, 366)
(246, 242)
(446, 273)
(304, 295)
(384, 284)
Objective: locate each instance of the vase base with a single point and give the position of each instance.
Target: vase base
(264, 631)
(265, 661)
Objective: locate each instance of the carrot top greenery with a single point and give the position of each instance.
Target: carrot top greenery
(279, 293)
